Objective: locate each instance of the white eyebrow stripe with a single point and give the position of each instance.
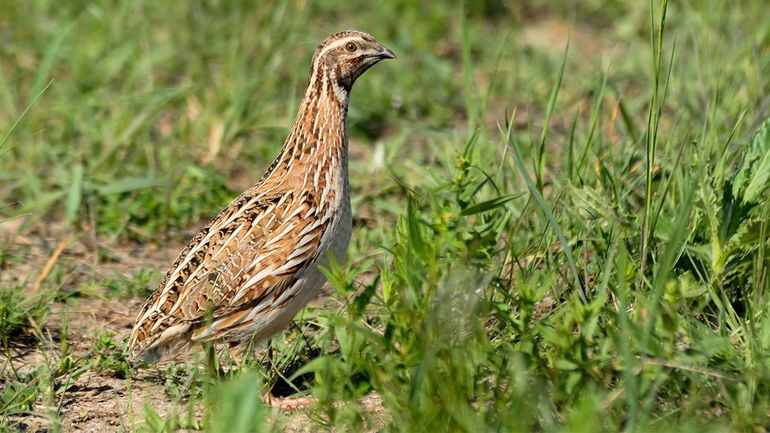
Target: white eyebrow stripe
(337, 43)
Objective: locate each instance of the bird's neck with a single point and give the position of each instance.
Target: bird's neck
(318, 137)
(321, 118)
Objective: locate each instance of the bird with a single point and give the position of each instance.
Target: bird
(245, 275)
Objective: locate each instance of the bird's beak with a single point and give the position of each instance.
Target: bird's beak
(385, 54)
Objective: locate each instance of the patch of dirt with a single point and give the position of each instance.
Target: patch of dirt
(31, 258)
(94, 401)
(49, 259)
(101, 402)
(372, 404)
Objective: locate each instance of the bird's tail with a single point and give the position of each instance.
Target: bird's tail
(144, 349)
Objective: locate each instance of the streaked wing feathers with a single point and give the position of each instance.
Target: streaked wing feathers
(253, 249)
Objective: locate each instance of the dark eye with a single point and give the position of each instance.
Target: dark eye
(350, 46)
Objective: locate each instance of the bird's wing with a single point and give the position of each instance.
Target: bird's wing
(253, 249)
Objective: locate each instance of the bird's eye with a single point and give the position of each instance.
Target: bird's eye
(350, 46)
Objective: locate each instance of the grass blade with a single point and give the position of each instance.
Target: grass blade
(547, 121)
(543, 206)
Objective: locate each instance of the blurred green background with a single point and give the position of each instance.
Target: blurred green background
(145, 111)
(631, 171)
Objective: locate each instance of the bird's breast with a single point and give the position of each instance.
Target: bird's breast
(337, 238)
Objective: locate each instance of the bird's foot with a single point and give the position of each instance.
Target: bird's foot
(288, 403)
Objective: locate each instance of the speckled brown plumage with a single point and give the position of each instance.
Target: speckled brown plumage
(247, 273)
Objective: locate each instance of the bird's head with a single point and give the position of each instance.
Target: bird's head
(343, 57)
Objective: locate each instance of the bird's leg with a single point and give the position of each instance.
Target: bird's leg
(285, 403)
(268, 396)
(270, 354)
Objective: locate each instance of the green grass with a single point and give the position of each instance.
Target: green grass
(561, 207)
